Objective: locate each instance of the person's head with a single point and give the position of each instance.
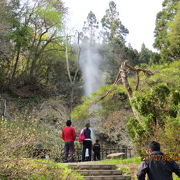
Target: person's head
(87, 125)
(153, 146)
(97, 141)
(68, 123)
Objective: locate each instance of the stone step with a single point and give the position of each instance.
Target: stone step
(92, 166)
(118, 177)
(99, 172)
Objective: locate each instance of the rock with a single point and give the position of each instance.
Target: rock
(115, 155)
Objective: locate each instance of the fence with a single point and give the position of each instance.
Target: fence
(103, 153)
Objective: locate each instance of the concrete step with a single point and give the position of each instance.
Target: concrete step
(92, 166)
(118, 177)
(99, 172)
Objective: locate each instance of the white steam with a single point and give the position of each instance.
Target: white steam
(90, 61)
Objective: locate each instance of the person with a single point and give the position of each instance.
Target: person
(96, 149)
(156, 166)
(87, 143)
(69, 136)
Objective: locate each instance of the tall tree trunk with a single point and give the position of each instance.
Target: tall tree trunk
(31, 73)
(69, 75)
(16, 63)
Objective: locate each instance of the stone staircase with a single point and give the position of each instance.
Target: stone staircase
(99, 172)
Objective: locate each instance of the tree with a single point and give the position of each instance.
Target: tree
(47, 22)
(132, 55)
(112, 25)
(113, 34)
(155, 58)
(90, 27)
(4, 43)
(32, 43)
(164, 27)
(144, 55)
(173, 36)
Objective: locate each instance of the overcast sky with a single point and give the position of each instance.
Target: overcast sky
(138, 16)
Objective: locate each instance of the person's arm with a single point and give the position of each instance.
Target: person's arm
(142, 171)
(62, 134)
(93, 136)
(176, 168)
(74, 134)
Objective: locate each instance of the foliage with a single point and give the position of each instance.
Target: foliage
(173, 36)
(90, 28)
(22, 138)
(113, 28)
(109, 106)
(128, 166)
(157, 103)
(144, 55)
(166, 31)
(36, 169)
(34, 48)
(82, 112)
(113, 35)
(135, 160)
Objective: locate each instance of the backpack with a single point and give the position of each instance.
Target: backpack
(82, 136)
(87, 133)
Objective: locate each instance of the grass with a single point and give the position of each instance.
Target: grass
(135, 160)
(36, 170)
(129, 166)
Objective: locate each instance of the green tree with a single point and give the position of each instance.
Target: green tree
(144, 55)
(4, 40)
(112, 25)
(165, 26)
(113, 35)
(155, 58)
(132, 55)
(90, 27)
(173, 36)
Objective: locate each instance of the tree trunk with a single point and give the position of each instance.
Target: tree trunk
(16, 63)
(123, 76)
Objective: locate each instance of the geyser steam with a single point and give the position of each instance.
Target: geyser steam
(90, 61)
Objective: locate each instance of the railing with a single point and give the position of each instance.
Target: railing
(103, 153)
(109, 150)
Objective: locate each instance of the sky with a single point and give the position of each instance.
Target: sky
(138, 16)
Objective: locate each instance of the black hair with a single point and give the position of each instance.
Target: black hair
(87, 125)
(154, 146)
(68, 123)
(97, 140)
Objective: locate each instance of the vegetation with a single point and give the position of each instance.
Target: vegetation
(157, 104)
(41, 85)
(135, 160)
(166, 31)
(36, 169)
(158, 108)
(128, 166)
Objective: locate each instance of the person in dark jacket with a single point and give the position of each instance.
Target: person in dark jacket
(87, 143)
(156, 165)
(69, 136)
(96, 149)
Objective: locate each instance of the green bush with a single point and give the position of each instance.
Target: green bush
(157, 103)
(20, 138)
(36, 170)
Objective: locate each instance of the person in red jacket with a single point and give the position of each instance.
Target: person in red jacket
(69, 136)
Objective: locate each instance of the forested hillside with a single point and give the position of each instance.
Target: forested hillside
(43, 82)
